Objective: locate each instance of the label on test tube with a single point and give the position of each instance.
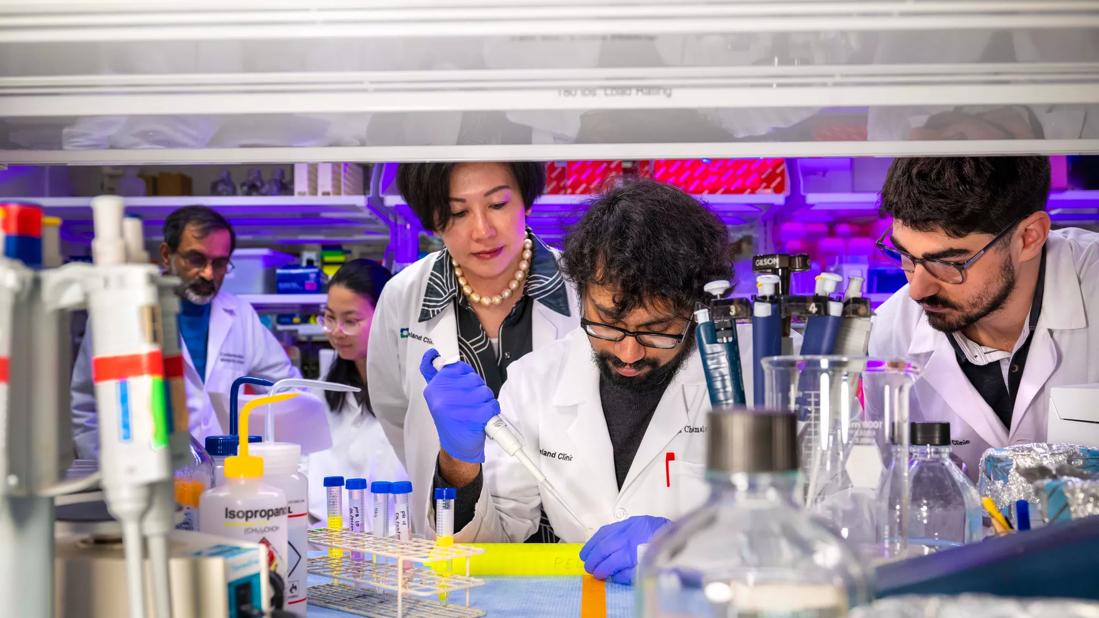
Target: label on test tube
(401, 524)
(333, 485)
(355, 506)
(381, 491)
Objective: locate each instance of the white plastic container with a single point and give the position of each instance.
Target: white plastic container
(280, 469)
(247, 509)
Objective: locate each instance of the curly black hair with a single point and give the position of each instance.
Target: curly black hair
(651, 243)
(426, 188)
(965, 195)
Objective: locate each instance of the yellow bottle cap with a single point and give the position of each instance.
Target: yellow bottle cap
(243, 467)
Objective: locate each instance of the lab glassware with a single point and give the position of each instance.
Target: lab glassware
(944, 509)
(749, 550)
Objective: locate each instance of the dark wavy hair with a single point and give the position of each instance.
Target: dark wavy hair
(365, 278)
(651, 243)
(426, 188)
(964, 195)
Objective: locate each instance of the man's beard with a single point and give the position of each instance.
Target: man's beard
(657, 376)
(198, 291)
(985, 303)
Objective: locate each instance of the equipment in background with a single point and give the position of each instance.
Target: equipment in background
(775, 562)
(854, 334)
(716, 337)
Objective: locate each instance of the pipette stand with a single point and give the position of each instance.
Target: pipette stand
(387, 577)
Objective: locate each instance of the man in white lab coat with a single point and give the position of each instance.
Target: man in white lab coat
(222, 337)
(614, 413)
(998, 309)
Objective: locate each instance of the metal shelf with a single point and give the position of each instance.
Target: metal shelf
(261, 302)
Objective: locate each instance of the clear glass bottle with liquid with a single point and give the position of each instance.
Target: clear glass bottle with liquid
(750, 551)
(945, 507)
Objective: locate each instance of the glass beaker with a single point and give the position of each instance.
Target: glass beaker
(847, 409)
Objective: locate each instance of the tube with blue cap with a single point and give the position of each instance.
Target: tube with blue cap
(823, 326)
(766, 330)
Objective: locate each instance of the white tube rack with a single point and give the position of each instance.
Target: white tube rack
(372, 571)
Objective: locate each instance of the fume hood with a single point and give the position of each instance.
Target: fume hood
(166, 81)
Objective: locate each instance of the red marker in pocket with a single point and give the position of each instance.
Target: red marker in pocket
(669, 457)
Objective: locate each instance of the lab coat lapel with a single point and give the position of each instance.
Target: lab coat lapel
(577, 406)
(442, 330)
(945, 376)
(682, 396)
(1041, 361)
(222, 315)
(548, 326)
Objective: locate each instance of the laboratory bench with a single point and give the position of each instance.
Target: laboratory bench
(1055, 561)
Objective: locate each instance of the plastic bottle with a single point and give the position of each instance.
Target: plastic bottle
(220, 447)
(190, 482)
(246, 508)
(945, 507)
(749, 551)
(280, 469)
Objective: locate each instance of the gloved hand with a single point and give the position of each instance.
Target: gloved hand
(612, 550)
(461, 405)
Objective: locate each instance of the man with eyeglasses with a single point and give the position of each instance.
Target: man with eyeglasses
(613, 413)
(998, 308)
(222, 336)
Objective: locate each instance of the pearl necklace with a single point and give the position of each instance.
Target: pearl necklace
(513, 285)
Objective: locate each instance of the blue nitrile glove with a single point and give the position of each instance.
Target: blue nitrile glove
(461, 405)
(612, 550)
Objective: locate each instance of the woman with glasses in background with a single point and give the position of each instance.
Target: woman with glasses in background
(359, 447)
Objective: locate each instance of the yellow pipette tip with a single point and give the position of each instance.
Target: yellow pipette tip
(999, 522)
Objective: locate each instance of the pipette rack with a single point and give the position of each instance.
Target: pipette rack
(376, 575)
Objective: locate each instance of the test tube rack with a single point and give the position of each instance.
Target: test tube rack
(385, 576)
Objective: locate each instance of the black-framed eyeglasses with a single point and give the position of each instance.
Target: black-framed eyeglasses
(943, 270)
(198, 261)
(606, 332)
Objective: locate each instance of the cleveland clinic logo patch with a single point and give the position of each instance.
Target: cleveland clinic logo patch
(404, 333)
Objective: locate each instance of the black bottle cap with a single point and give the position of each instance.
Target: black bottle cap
(930, 434)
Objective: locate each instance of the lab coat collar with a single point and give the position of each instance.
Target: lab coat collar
(222, 315)
(1063, 299)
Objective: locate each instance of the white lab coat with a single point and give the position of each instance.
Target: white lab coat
(1063, 351)
(238, 344)
(398, 342)
(359, 450)
(552, 398)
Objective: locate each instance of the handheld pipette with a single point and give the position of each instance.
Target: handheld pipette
(498, 430)
(821, 329)
(766, 331)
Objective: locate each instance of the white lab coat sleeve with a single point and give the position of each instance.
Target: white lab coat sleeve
(85, 422)
(268, 359)
(509, 507)
(385, 364)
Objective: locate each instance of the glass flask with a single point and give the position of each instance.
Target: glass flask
(749, 551)
(945, 508)
(849, 410)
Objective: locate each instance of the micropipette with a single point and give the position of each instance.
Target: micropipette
(497, 429)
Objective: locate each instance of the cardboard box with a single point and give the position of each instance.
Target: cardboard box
(305, 179)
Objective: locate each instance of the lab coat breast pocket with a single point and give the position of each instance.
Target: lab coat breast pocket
(687, 486)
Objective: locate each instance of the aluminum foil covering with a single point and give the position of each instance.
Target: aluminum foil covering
(1070, 498)
(971, 605)
(1017, 472)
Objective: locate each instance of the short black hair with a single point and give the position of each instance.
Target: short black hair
(426, 188)
(204, 218)
(366, 278)
(652, 243)
(965, 195)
